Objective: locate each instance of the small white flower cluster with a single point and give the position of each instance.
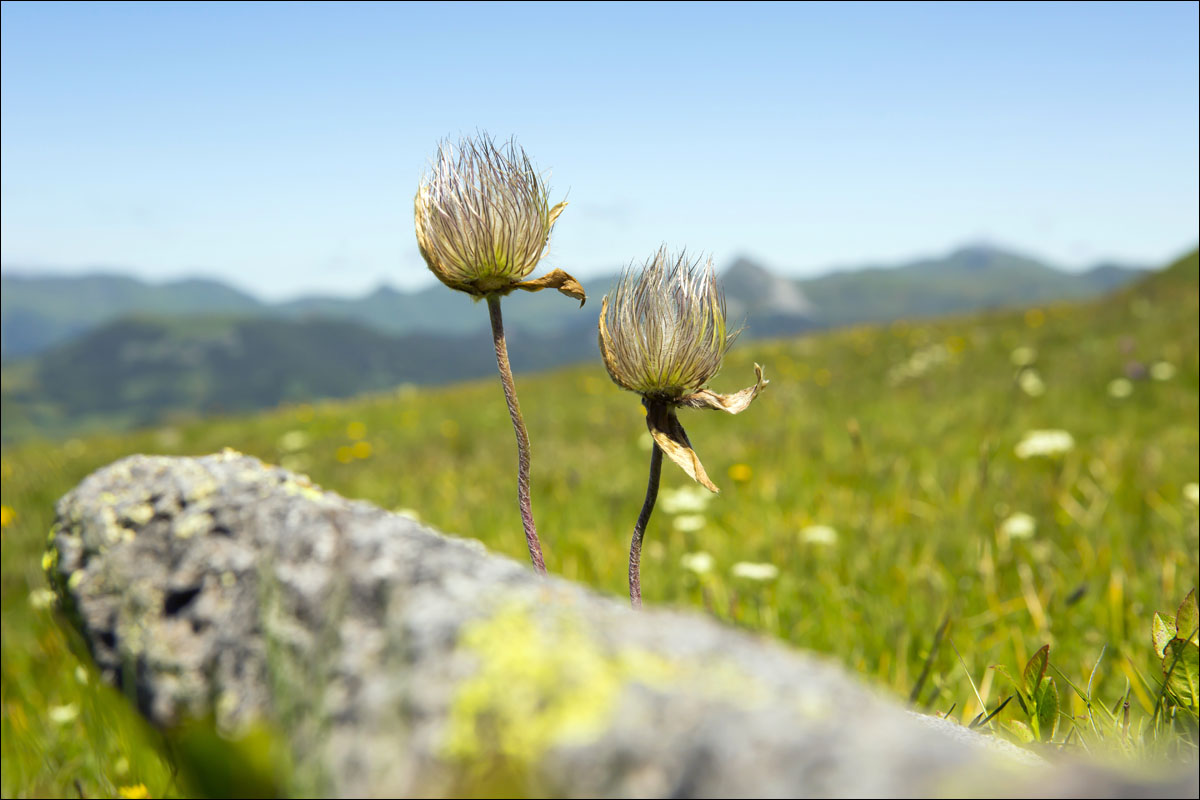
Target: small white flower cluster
(292, 441)
(755, 571)
(819, 534)
(1045, 443)
(685, 500)
(698, 563)
(1019, 526)
(1031, 383)
(1120, 388)
(1162, 370)
(1191, 493)
(1023, 356)
(702, 563)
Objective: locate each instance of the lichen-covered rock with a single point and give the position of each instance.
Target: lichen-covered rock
(402, 662)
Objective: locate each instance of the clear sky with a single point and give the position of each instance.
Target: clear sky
(278, 146)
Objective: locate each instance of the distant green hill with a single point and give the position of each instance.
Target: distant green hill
(137, 371)
(37, 312)
(970, 278)
(41, 312)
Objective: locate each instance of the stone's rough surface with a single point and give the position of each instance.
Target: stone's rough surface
(403, 662)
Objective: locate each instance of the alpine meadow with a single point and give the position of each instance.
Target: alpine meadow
(929, 503)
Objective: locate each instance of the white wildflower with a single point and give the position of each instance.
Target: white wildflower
(41, 599)
(1162, 371)
(63, 715)
(1031, 383)
(292, 441)
(1047, 443)
(1019, 526)
(684, 500)
(698, 563)
(688, 523)
(755, 572)
(1120, 388)
(1023, 356)
(819, 534)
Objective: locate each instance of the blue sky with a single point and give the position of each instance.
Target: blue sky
(278, 146)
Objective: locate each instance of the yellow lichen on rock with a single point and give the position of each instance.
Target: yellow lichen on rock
(539, 684)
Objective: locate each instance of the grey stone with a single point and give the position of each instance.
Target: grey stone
(399, 661)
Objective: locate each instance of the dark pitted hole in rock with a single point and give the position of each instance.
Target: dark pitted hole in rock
(222, 530)
(178, 600)
(107, 638)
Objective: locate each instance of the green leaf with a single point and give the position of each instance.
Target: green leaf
(1019, 730)
(1181, 665)
(1035, 670)
(1163, 631)
(1020, 691)
(1047, 710)
(1187, 617)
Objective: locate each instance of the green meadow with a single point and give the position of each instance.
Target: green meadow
(882, 504)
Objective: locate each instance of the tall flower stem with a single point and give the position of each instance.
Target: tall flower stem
(639, 530)
(518, 422)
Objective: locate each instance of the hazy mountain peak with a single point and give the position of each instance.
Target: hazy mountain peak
(751, 288)
(982, 255)
(384, 291)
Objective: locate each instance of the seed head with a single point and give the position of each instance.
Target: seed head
(665, 327)
(663, 336)
(483, 219)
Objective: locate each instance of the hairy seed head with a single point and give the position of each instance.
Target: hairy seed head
(663, 330)
(483, 215)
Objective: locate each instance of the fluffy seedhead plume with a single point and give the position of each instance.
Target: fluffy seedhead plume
(665, 327)
(663, 335)
(483, 220)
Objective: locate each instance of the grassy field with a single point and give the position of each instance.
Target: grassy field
(882, 476)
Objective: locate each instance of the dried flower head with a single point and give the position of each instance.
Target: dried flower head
(665, 328)
(483, 219)
(663, 336)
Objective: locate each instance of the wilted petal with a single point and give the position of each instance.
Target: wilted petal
(733, 403)
(556, 279)
(672, 439)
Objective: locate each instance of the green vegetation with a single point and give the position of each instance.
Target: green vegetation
(873, 491)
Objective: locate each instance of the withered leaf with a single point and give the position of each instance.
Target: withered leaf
(733, 403)
(672, 439)
(555, 279)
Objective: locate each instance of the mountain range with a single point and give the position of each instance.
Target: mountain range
(108, 351)
(39, 312)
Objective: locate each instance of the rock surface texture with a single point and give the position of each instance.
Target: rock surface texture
(398, 661)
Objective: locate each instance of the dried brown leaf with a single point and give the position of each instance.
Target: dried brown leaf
(555, 279)
(672, 439)
(733, 403)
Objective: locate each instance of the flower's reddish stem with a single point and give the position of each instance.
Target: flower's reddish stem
(639, 530)
(514, 411)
